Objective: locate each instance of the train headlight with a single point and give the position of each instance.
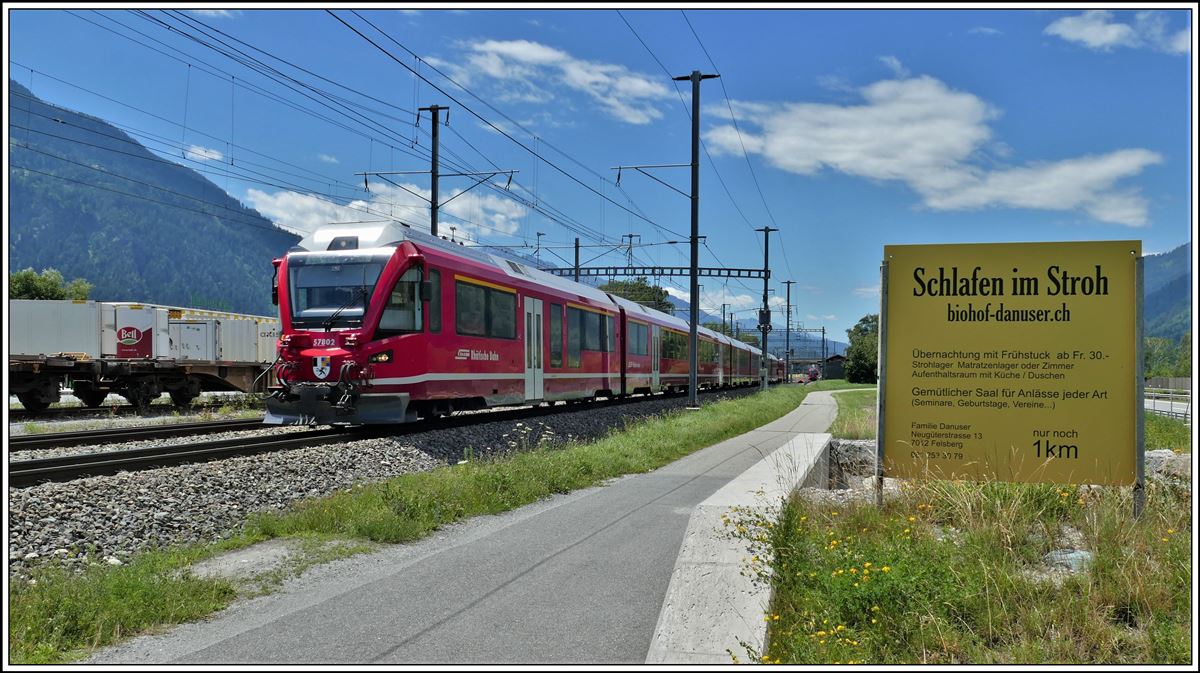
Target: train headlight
(385, 356)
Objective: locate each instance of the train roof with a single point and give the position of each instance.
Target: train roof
(392, 234)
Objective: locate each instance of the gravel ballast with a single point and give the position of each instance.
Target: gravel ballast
(108, 519)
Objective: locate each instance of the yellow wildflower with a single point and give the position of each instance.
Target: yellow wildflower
(912, 518)
(886, 569)
(874, 608)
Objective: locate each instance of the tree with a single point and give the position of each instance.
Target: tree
(27, 284)
(641, 291)
(862, 356)
(1184, 367)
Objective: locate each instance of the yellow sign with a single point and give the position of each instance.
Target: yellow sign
(1011, 362)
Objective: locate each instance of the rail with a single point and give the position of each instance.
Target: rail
(113, 435)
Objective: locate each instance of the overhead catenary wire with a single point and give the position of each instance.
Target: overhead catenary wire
(241, 58)
(741, 142)
(499, 130)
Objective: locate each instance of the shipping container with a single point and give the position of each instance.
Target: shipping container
(46, 327)
(193, 339)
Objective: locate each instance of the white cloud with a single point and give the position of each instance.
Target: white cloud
(531, 72)
(198, 153)
(410, 12)
(1085, 183)
(934, 139)
(1097, 29)
(819, 318)
(984, 30)
(895, 66)
(867, 291)
(1093, 29)
(216, 13)
(328, 158)
(474, 214)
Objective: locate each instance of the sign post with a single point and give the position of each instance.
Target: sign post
(1012, 362)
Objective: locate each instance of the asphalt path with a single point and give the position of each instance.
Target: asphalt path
(577, 578)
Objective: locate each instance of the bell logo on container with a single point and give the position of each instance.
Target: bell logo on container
(321, 366)
(129, 336)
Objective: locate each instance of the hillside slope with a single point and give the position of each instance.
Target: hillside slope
(92, 202)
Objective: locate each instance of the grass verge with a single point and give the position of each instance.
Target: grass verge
(857, 415)
(949, 573)
(1163, 432)
(62, 616)
(952, 572)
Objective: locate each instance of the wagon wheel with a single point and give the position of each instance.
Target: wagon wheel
(181, 398)
(91, 398)
(33, 402)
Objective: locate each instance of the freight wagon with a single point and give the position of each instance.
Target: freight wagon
(138, 351)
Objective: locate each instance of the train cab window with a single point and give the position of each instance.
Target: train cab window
(574, 336)
(556, 335)
(469, 306)
(435, 301)
(402, 314)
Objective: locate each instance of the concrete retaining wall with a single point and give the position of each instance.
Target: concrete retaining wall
(710, 606)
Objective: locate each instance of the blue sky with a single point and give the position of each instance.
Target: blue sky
(847, 128)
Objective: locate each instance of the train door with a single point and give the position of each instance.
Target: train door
(720, 364)
(655, 352)
(534, 366)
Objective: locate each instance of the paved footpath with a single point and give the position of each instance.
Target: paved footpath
(576, 578)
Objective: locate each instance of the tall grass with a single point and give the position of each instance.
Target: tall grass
(948, 573)
(1167, 433)
(857, 415)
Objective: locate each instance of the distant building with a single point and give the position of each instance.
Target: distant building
(835, 367)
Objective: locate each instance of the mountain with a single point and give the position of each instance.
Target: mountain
(1167, 298)
(94, 203)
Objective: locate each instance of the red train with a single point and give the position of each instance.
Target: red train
(384, 324)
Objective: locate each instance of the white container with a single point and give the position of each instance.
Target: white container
(268, 340)
(138, 332)
(47, 327)
(193, 339)
(237, 341)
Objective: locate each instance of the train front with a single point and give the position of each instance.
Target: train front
(329, 307)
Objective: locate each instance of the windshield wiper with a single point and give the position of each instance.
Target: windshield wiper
(358, 291)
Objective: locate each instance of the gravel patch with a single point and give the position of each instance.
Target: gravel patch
(108, 519)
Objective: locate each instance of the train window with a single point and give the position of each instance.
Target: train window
(591, 331)
(469, 307)
(435, 302)
(502, 314)
(635, 336)
(556, 345)
(402, 314)
(574, 336)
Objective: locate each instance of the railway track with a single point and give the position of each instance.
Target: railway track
(65, 468)
(113, 435)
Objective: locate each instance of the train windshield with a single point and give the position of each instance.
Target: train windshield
(332, 290)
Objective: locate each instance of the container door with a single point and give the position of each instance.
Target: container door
(656, 335)
(534, 369)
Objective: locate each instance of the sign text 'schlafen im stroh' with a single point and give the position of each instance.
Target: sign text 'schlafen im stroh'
(1011, 362)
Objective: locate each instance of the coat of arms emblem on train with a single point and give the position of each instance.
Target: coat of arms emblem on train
(321, 366)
